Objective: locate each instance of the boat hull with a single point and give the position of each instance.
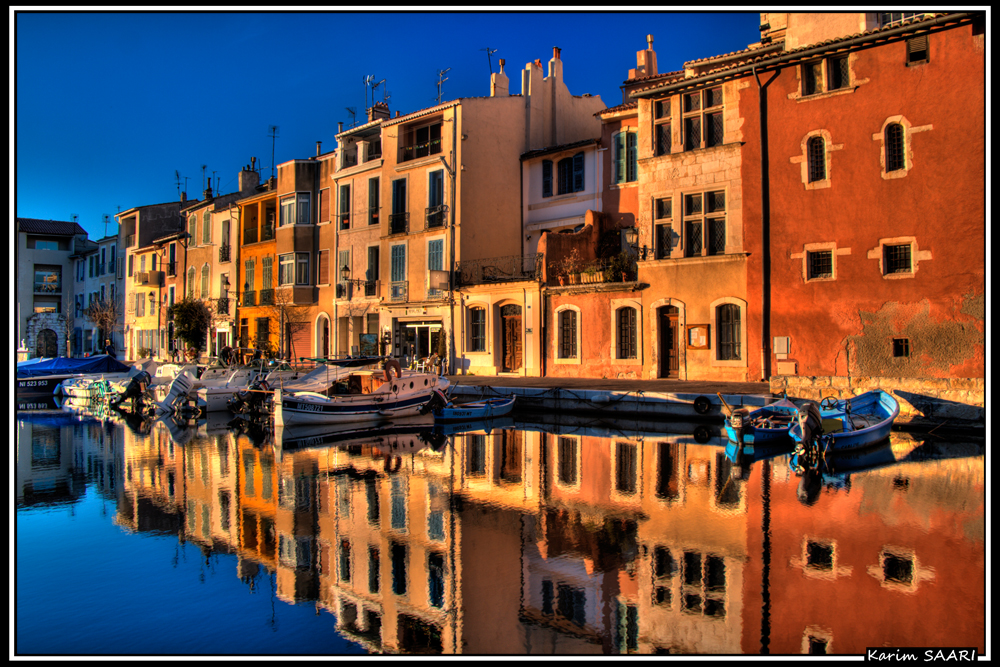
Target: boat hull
(754, 435)
(476, 410)
(40, 386)
(868, 421)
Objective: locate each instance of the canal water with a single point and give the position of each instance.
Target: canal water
(540, 536)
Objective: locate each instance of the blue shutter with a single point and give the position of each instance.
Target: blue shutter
(578, 185)
(546, 178)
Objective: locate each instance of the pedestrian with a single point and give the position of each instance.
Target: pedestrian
(109, 348)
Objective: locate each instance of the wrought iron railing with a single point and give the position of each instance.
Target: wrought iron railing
(500, 269)
(399, 223)
(225, 252)
(435, 216)
(249, 298)
(222, 305)
(398, 291)
(267, 297)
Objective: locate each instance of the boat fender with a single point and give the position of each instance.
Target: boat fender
(702, 434)
(392, 364)
(702, 405)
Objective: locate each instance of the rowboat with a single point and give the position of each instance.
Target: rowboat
(476, 410)
(843, 424)
(364, 395)
(765, 425)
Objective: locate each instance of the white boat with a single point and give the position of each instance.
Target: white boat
(361, 396)
(81, 387)
(214, 395)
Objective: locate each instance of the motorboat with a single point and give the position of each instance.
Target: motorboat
(84, 387)
(488, 408)
(359, 396)
(844, 424)
(766, 425)
(45, 376)
(214, 395)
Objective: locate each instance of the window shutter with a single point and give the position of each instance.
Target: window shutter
(632, 151)
(619, 158)
(324, 205)
(546, 178)
(916, 49)
(578, 173)
(324, 268)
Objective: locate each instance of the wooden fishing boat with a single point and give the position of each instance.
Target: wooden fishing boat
(476, 410)
(843, 424)
(364, 395)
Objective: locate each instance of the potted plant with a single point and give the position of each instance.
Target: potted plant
(571, 266)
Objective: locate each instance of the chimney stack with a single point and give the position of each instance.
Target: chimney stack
(248, 178)
(318, 151)
(499, 83)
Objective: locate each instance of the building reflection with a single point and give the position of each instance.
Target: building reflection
(575, 540)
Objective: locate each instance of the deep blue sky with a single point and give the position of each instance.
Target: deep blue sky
(109, 105)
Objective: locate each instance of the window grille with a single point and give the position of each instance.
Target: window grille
(717, 240)
(821, 264)
(713, 129)
(897, 259)
(894, 148)
(692, 133)
(839, 72)
(626, 333)
(728, 326)
(567, 327)
(816, 157)
(901, 347)
(693, 239)
(664, 241)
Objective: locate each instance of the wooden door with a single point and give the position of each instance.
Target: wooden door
(669, 342)
(510, 317)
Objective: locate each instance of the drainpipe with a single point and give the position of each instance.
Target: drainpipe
(765, 234)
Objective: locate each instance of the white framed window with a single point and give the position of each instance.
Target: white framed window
(568, 337)
(898, 257)
(293, 268)
(626, 328)
(815, 159)
(703, 125)
(729, 332)
(896, 150)
(819, 261)
(294, 210)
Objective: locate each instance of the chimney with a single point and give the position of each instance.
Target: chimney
(184, 196)
(377, 111)
(555, 65)
(207, 194)
(499, 83)
(318, 151)
(645, 61)
(248, 178)
(340, 128)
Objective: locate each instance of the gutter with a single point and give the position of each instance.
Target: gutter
(880, 36)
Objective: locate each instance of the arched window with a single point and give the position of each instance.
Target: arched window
(567, 334)
(816, 155)
(895, 154)
(204, 281)
(728, 328)
(477, 329)
(627, 333)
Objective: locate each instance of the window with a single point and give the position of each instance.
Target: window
(371, 274)
(888, 19)
(901, 347)
(826, 75)
(546, 178)
(663, 213)
(301, 268)
(705, 223)
(345, 207)
(286, 269)
(435, 199)
(397, 272)
(373, 201)
(435, 262)
(626, 467)
(190, 282)
(324, 205)
(626, 157)
(293, 269)
(345, 560)
(567, 334)
(48, 279)
(266, 274)
(477, 329)
(897, 259)
(703, 125)
(294, 210)
(728, 328)
(838, 73)
(626, 333)
(917, 50)
(323, 267)
(663, 141)
(816, 159)
(398, 217)
(193, 229)
(205, 271)
(570, 174)
(206, 227)
(703, 584)
(420, 141)
(567, 473)
(820, 264)
(373, 569)
(435, 580)
(895, 147)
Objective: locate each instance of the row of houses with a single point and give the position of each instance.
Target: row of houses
(812, 206)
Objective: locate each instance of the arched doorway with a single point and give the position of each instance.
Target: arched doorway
(47, 343)
(668, 317)
(512, 345)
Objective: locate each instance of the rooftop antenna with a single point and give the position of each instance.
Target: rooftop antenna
(441, 79)
(74, 218)
(489, 54)
(203, 168)
(354, 112)
(272, 131)
(376, 85)
(107, 219)
(214, 172)
(177, 178)
(368, 82)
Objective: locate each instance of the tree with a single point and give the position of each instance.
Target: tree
(106, 315)
(191, 322)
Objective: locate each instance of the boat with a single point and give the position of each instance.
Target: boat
(768, 424)
(44, 377)
(362, 395)
(84, 387)
(214, 395)
(844, 424)
(475, 410)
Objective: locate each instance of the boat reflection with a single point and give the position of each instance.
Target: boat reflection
(567, 537)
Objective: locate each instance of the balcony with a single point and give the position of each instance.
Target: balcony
(267, 297)
(398, 291)
(225, 252)
(436, 216)
(399, 223)
(222, 305)
(249, 298)
(345, 220)
(151, 278)
(48, 287)
(130, 241)
(512, 268)
(171, 269)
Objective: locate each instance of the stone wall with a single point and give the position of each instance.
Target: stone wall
(920, 399)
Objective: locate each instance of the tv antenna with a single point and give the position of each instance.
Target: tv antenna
(368, 84)
(272, 131)
(354, 112)
(489, 54)
(441, 79)
(384, 91)
(107, 219)
(177, 178)
(203, 168)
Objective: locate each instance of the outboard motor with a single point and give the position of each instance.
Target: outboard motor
(135, 390)
(250, 400)
(810, 421)
(437, 400)
(179, 389)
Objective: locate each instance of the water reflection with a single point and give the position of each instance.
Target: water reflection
(557, 538)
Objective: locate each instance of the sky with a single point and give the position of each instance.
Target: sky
(110, 106)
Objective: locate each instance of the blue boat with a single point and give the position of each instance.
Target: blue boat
(489, 408)
(43, 377)
(843, 424)
(767, 425)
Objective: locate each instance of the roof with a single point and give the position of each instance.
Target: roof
(556, 149)
(758, 54)
(54, 227)
(628, 106)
